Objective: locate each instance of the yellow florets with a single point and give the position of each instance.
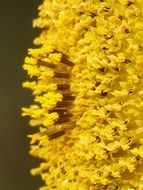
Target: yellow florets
(87, 80)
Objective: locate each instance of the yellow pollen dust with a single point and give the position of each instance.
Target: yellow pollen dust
(86, 78)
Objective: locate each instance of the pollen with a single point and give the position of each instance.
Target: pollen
(86, 77)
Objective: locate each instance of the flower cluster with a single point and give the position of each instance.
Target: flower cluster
(86, 79)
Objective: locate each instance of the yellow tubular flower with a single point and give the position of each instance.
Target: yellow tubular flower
(87, 82)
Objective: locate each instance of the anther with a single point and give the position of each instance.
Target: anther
(62, 120)
(65, 114)
(58, 110)
(46, 64)
(61, 75)
(66, 61)
(68, 97)
(64, 104)
(63, 87)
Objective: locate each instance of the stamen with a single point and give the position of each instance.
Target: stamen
(64, 104)
(62, 120)
(68, 97)
(46, 64)
(63, 87)
(66, 61)
(53, 132)
(61, 75)
(57, 134)
(65, 114)
(59, 110)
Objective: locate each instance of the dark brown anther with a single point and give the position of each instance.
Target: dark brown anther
(130, 3)
(64, 60)
(62, 120)
(64, 104)
(65, 114)
(45, 64)
(68, 97)
(61, 75)
(58, 110)
(127, 30)
(63, 87)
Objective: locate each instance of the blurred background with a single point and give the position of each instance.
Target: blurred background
(16, 36)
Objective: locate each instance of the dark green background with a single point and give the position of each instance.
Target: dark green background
(16, 35)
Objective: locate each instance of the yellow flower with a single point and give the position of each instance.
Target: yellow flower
(86, 78)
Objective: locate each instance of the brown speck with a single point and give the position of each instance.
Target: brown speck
(93, 88)
(137, 157)
(102, 69)
(117, 69)
(127, 61)
(130, 3)
(93, 15)
(97, 83)
(114, 130)
(104, 48)
(104, 93)
(98, 139)
(129, 139)
(107, 111)
(120, 17)
(127, 30)
(130, 91)
(126, 121)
